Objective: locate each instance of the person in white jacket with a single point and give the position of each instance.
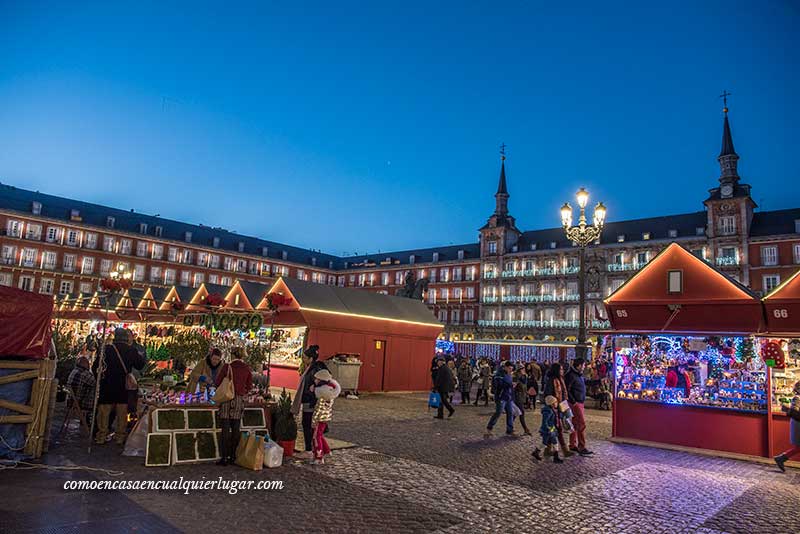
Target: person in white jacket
(326, 389)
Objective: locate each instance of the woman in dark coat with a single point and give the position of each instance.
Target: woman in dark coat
(304, 399)
(120, 358)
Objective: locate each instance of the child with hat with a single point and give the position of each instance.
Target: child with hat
(548, 430)
(326, 389)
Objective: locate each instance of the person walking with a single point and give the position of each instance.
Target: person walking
(230, 413)
(445, 382)
(119, 359)
(576, 396)
(484, 382)
(304, 398)
(521, 395)
(502, 384)
(549, 430)
(464, 380)
(326, 389)
(555, 386)
(793, 411)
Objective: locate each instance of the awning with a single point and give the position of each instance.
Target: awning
(783, 308)
(680, 293)
(24, 323)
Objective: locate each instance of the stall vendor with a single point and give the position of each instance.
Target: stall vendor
(205, 372)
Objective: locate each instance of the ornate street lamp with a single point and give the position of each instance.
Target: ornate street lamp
(582, 235)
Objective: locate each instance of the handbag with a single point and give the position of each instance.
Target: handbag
(131, 383)
(225, 392)
(434, 400)
(252, 456)
(515, 411)
(532, 391)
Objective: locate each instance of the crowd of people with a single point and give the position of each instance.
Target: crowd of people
(516, 388)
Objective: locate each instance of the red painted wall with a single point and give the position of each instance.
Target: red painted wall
(780, 434)
(689, 426)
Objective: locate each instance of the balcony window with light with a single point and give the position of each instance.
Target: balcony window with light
(46, 286)
(9, 255)
(125, 246)
(26, 283)
(157, 252)
(87, 265)
(90, 241)
(726, 225)
(36, 208)
(172, 254)
(455, 316)
(48, 260)
(73, 236)
(108, 243)
(213, 279)
(468, 316)
(645, 236)
(199, 278)
(384, 279)
(771, 281)
(85, 287)
(6, 279)
(769, 255)
(70, 260)
(155, 274)
(185, 277)
(52, 234)
(33, 232)
(138, 273)
(105, 267)
(187, 256)
(492, 247)
(65, 288)
(141, 249)
(241, 266)
(169, 277)
(641, 258)
(456, 274)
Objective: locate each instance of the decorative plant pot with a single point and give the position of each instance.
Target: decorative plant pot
(288, 448)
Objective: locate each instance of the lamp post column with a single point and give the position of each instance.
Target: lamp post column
(580, 350)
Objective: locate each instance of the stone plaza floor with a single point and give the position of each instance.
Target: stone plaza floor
(411, 473)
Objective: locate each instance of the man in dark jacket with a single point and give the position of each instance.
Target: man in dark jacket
(503, 387)
(576, 395)
(119, 359)
(444, 384)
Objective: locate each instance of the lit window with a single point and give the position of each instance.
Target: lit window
(36, 208)
(771, 281)
(187, 237)
(620, 238)
(673, 233)
(215, 242)
(492, 247)
(675, 281)
(646, 236)
(726, 225)
(553, 244)
(769, 255)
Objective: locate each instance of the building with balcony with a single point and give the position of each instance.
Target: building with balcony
(510, 284)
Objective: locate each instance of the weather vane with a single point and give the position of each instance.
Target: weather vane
(724, 96)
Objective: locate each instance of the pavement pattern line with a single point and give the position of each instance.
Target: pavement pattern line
(594, 506)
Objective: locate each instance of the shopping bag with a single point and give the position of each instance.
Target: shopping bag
(273, 454)
(456, 398)
(242, 442)
(515, 411)
(252, 456)
(434, 400)
(225, 390)
(564, 406)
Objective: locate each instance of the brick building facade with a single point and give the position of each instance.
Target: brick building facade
(511, 284)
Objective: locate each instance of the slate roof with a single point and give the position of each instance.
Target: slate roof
(14, 198)
(686, 224)
(425, 255)
(359, 302)
(727, 139)
(778, 222)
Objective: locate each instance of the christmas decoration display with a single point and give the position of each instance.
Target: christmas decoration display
(665, 369)
(115, 285)
(214, 300)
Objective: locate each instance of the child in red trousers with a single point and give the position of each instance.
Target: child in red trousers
(326, 389)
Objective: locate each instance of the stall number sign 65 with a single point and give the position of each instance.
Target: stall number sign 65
(781, 313)
(622, 313)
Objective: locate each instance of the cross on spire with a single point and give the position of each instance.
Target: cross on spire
(724, 96)
(503, 151)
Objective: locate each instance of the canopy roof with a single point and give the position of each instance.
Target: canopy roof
(679, 292)
(357, 303)
(24, 323)
(783, 307)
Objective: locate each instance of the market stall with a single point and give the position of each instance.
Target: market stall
(780, 348)
(27, 387)
(687, 368)
(394, 337)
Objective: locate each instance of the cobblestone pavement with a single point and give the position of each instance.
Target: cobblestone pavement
(412, 473)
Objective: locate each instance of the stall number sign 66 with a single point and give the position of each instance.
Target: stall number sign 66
(781, 313)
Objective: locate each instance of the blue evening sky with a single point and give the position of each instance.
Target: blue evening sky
(366, 126)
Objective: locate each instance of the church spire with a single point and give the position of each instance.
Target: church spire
(501, 197)
(728, 157)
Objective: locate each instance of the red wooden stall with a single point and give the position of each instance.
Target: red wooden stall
(680, 295)
(395, 337)
(782, 307)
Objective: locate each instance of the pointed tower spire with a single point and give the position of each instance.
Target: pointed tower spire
(728, 158)
(501, 197)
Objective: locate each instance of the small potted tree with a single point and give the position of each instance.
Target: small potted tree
(285, 424)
